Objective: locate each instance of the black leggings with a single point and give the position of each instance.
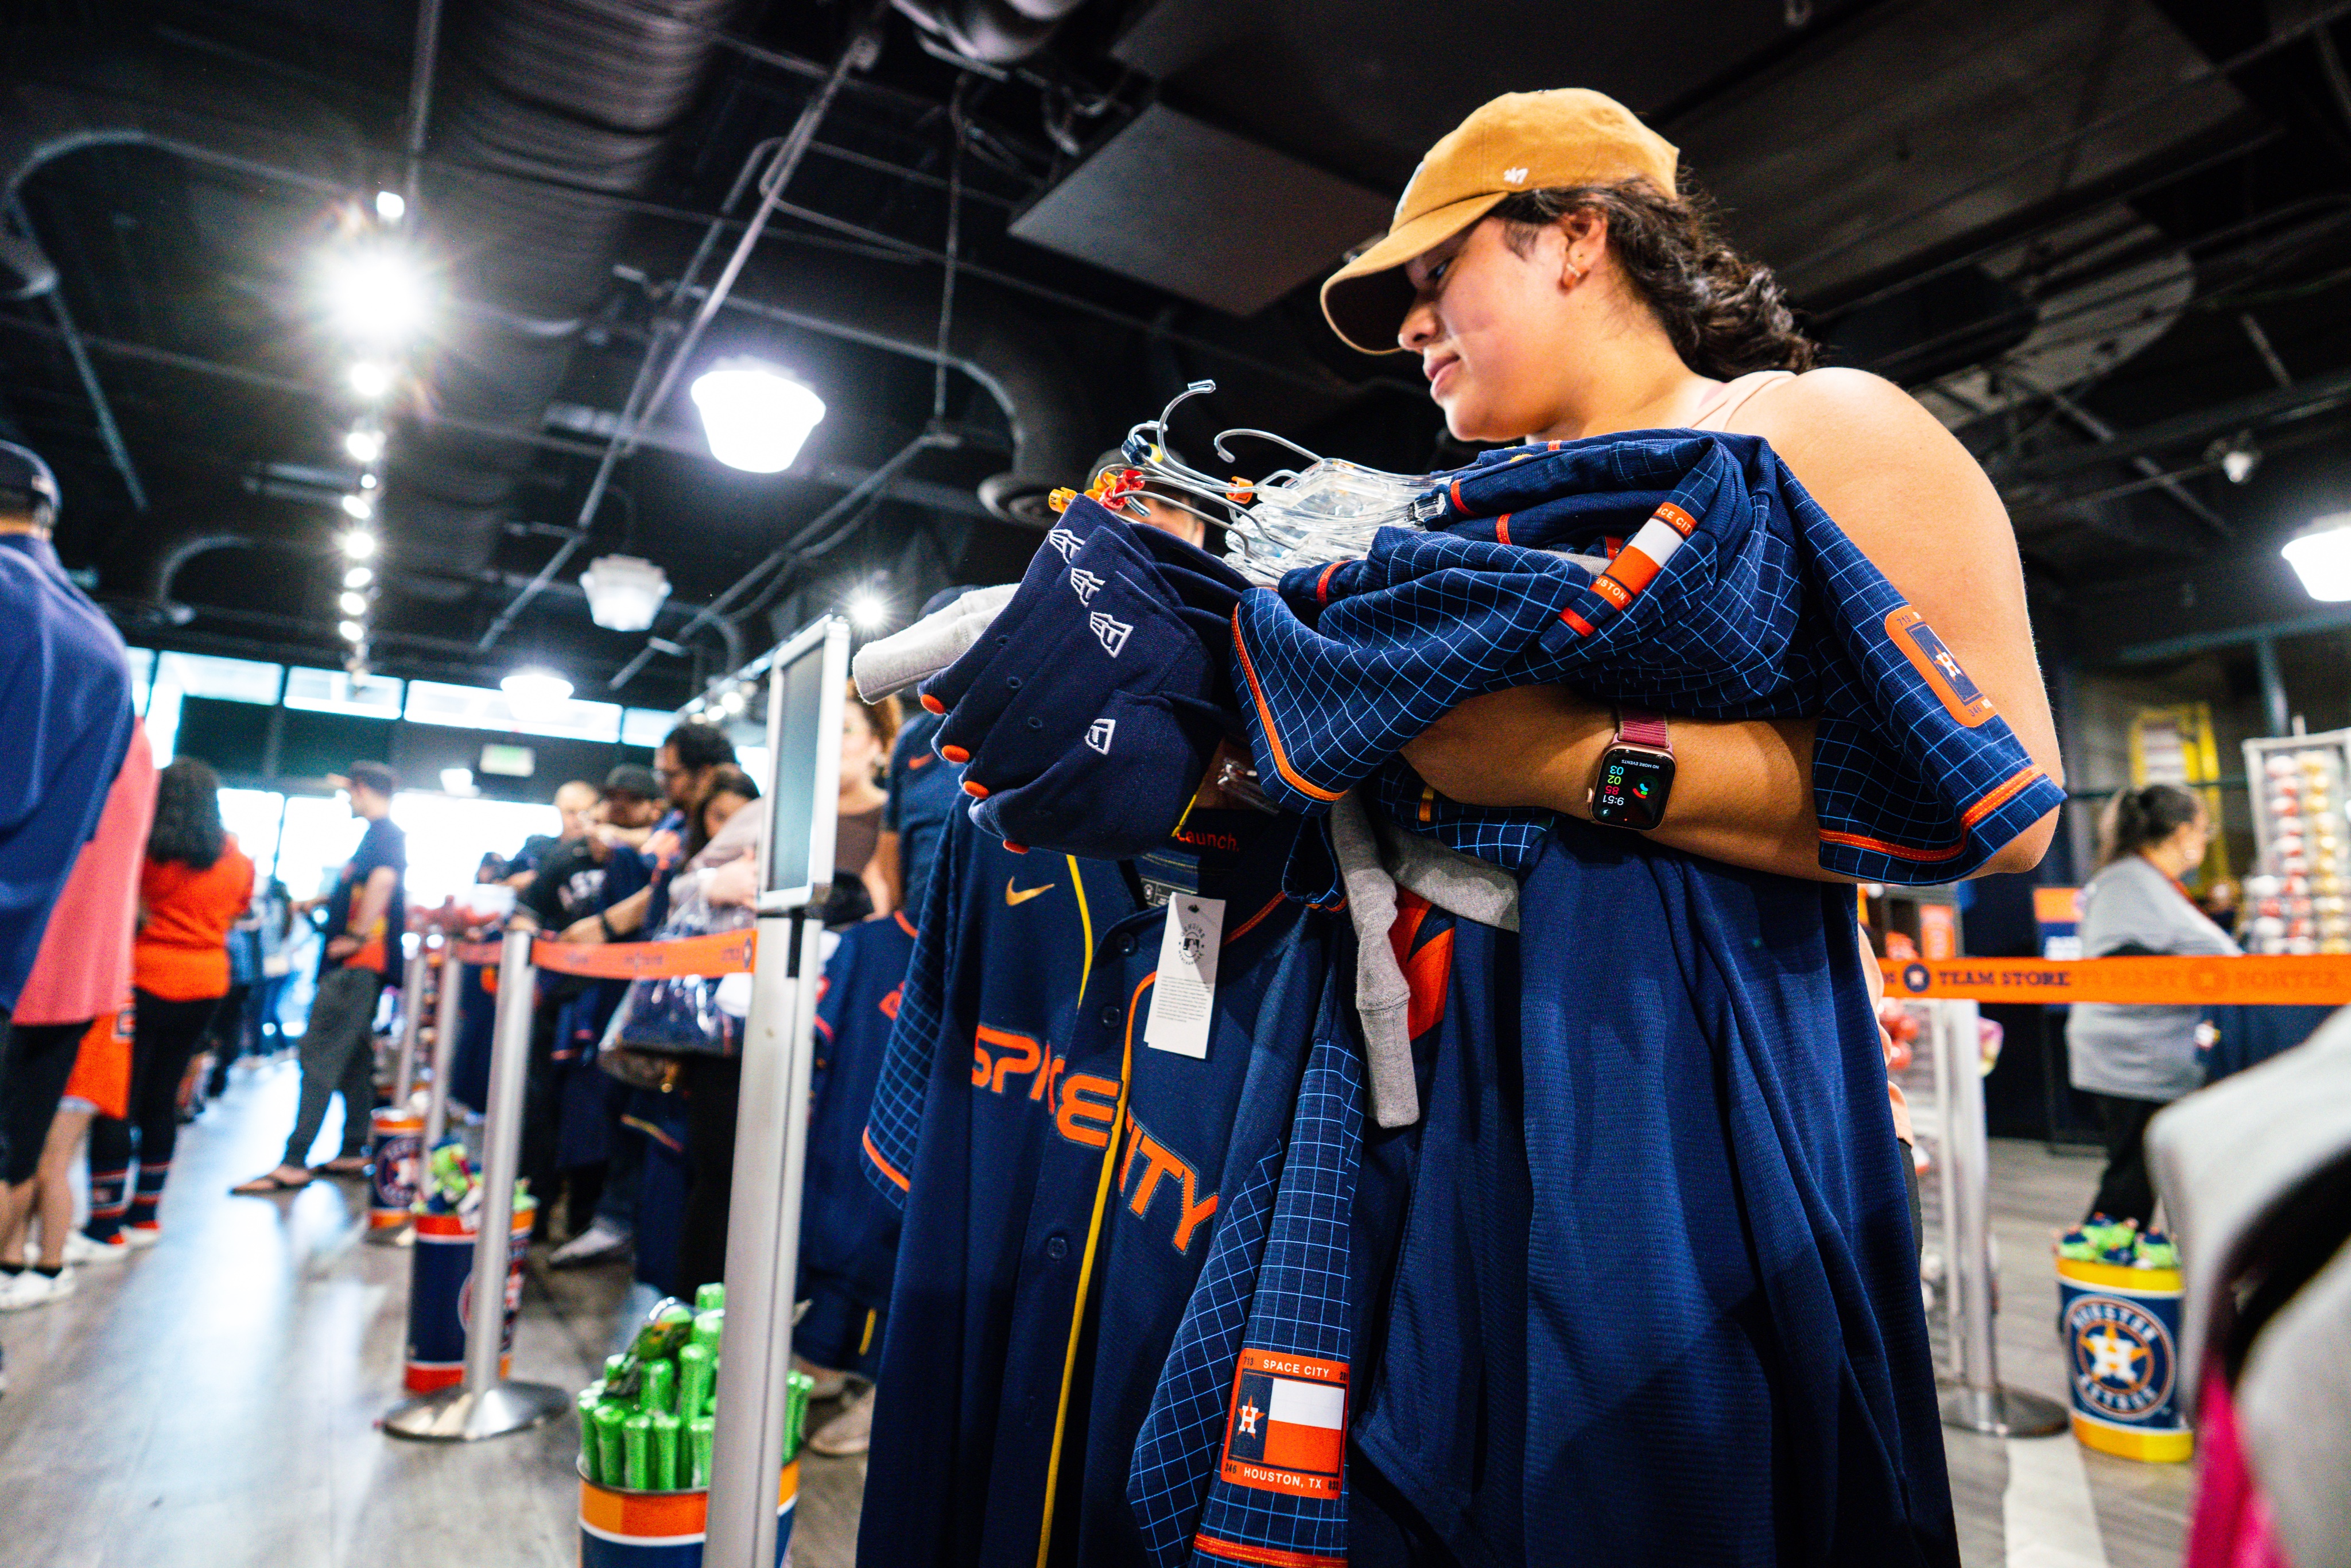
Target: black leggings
(164, 1040)
(40, 1057)
(2126, 1191)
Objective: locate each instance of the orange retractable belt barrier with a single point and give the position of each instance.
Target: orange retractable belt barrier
(479, 954)
(720, 953)
(2323, 979)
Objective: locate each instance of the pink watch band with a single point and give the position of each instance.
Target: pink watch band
(1638, 726)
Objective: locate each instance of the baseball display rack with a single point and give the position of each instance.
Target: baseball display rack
(2296, 904)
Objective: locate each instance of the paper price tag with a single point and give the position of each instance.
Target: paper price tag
(1183, 996)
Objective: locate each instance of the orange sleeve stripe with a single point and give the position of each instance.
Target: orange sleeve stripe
(1583, 627)
(2000, 796)
(884, 1167)
(1634, 568)
(1322, 583)
(903, 924)
(1502, 528)
(1262, 1556)
(1265, 716)
(1251, 924)
(1899, 851)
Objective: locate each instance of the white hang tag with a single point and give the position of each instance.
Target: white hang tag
(1183, 998)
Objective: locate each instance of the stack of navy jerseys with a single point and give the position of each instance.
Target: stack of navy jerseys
(1063, 1182)
(1729, 593)
(849, 1233)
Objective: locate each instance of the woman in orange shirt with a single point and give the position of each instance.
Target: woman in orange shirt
(195, 886)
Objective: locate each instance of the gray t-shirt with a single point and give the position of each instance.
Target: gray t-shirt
(2132, 1051)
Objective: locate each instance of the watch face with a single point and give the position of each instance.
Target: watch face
(1634, 784)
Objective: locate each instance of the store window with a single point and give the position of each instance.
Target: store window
(142, 674)
(480, 707)
(646, 727)
(257, 818)
(178, 675)
(332, 691)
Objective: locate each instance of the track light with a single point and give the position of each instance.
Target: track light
(732, 704)
(359, 577)
(377, 296)
(391, 206)
(367, 481)
(868, 611)
(365, 445)
(371, 380)
(756, 418)
(354, 604)
(359, 544)
(358, 507)
(352, 632)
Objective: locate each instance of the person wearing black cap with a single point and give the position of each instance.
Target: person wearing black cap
(366, 914)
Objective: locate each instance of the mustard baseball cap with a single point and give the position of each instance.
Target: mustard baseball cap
(1520, 141)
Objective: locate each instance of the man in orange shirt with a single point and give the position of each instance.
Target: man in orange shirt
(366, 914)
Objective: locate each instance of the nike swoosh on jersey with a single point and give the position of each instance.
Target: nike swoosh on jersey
(1014, 898)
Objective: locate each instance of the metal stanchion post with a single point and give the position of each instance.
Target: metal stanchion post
(412, 1023)
(763, 1243)
(1979, 1402)
(445, 1042)
(484, 1405)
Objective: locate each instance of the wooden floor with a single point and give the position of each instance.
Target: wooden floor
(212, 1404)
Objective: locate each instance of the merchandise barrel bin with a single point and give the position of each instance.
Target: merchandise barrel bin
(624, 1529)
(395, 1151)
(441, 1297)
(2121, 1329)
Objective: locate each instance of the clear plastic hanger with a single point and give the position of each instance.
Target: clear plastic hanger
(1326, 510)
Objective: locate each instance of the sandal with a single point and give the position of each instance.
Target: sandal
(269, 1184)
(349, 1166)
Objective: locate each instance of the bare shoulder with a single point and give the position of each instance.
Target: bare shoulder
(1869, 451)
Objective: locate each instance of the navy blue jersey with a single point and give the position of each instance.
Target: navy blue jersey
(1658, 1248)
(849, 1232)
(65, 705)
(1063, 1192)
(924, 793)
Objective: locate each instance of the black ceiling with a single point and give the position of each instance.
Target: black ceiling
(2098, 237)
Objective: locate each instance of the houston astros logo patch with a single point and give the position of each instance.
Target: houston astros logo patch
(1960, 697)
(1287, 1429)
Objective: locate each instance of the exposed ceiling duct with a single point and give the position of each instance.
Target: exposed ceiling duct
(993, 32)
(549, 107)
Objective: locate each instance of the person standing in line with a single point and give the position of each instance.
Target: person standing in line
(2133, 1060)
(366, 914)
(81, 973)
(689, 756)
(867, 731)
(195, 886)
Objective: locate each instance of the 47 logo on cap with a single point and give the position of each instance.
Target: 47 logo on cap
(1287, 1431)
(1112, 631)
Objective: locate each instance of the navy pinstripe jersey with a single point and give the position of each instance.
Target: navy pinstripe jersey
(1733, 596)
(1061, 1187)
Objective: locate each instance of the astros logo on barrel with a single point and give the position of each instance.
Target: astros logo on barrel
(2121, 1354)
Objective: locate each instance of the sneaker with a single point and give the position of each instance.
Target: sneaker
(850, 1432)
(598, 1243)
(81, 1249)
(34, 1289)
(141, 1235)
(824, 1382)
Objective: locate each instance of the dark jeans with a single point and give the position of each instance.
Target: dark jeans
(338, 1055)
(164, 1036)
(226, 1037)
(714, 1088)
(2126, 1191)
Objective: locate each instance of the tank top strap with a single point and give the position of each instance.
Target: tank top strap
(1733, 395)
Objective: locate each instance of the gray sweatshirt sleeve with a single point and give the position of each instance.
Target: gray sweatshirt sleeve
(2138, 1052)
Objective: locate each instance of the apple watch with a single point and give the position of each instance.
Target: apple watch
(1637, 773)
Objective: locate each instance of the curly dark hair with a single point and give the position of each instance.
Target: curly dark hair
(1724, 314)
(187, 816)
(698, 743)
(728, 780)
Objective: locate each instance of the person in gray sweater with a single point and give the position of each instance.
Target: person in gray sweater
(2133, 1060)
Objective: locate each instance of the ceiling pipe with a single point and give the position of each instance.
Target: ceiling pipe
(643, 406)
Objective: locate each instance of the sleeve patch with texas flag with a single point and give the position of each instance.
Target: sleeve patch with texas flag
(1287, 1431)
